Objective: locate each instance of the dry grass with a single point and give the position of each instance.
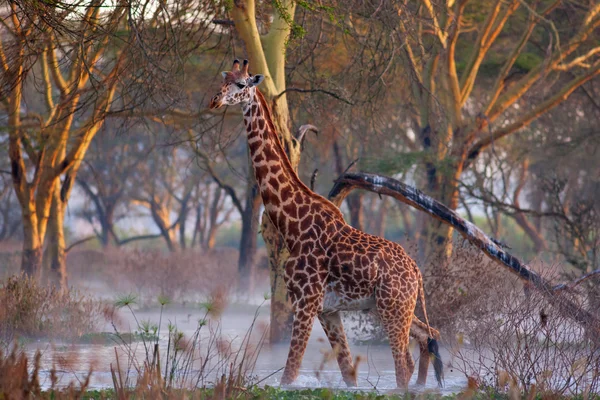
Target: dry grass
(35, 311)
(20, 380)
(205, 365)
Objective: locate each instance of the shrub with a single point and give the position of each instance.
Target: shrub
(32, 310)
(526, 345)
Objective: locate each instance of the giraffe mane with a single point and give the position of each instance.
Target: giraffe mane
(287, 166)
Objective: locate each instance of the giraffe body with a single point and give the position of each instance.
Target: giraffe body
(332, 266)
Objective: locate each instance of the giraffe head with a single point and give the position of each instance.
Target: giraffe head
(238, 86)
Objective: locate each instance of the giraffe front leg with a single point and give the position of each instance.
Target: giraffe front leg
(304, 317)
(332, 325)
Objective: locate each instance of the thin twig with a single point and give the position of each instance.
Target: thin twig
(78, 242)
(332, 94)
(577, 281)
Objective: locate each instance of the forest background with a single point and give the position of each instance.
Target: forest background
(109, 153)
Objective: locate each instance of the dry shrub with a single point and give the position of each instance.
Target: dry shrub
(32, 310)
(526, 345)
(461, 289)
(182, 276)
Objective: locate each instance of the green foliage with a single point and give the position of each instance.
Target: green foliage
(528, 61)
(125, 300)
(390, 164)
(297, 31)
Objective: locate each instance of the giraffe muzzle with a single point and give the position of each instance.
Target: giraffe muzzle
(215, 102)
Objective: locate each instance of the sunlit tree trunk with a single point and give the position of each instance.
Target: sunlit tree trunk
(267, 53)
(55, 257)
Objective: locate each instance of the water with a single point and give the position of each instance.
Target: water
(376, 371)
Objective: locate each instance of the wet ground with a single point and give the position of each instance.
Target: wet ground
(376, 371)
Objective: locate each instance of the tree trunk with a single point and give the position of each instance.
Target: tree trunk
(379, 224)
(268, 58)
(435, 237)
(55, 257)
(281, 308)
(355, 205)
(31, 260)
(248, 241)
(213, 216)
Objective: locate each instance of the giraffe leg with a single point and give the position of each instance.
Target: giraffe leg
(423, 363)
(419, 331)
(396, 309)
(332, 325)
(398, 335)
(301, 329)
(410, 363)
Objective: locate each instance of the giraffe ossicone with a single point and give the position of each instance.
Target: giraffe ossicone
(332, 267)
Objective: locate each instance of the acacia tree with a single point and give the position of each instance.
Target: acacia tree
(80, 56)
(45, 145)
(454, 119)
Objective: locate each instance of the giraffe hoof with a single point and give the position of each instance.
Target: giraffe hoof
(351, 384)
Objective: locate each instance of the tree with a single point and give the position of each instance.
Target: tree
(80, 57)
(456, 120)
(106, 177)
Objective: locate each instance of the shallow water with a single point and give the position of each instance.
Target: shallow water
(376, 371)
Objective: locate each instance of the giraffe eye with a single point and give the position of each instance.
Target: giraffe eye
(240, 85)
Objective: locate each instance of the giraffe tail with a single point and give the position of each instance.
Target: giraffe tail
(432, 344)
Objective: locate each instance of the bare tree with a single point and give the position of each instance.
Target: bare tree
(106, 176)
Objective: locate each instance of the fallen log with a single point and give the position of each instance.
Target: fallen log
(415, 198)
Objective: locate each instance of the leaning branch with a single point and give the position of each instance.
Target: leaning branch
(415, 198)
(332, 94)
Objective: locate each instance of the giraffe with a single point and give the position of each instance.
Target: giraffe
(332, 267)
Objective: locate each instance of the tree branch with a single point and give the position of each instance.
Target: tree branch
(485, 41)
(78, 242)
(527, 118)
(337, 96)
(208, 165)
(135, 238)
(571, 285)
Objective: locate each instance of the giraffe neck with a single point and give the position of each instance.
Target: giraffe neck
(283, 193)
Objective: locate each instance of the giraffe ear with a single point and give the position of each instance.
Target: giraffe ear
(257, 80)
(224, 74)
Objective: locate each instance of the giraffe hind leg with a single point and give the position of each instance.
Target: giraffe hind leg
(332, 325)
(396, 316)
(428, 348)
